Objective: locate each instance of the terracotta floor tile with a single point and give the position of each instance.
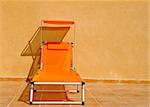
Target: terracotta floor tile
(3, 105)
(140, 104)
(92, 105)
(5, 100)
(115, 104)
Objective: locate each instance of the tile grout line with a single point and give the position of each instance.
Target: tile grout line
(21, 87)
(94, 98)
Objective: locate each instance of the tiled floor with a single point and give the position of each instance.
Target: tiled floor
(97, 95)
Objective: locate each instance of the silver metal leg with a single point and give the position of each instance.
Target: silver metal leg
(31, 93)
(83, 99)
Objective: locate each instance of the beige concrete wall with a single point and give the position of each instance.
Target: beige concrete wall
(111, 36)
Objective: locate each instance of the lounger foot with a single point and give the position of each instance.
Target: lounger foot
(82, 103)
(30, 103)
(32, 82)
(78, 91)
(83, 83)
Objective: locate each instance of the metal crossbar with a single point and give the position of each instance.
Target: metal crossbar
(71, 91)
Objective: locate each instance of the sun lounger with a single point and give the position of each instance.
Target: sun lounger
(53, 62)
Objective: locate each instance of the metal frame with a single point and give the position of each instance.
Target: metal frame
(41, 63)
(73, 66)
(56, 83)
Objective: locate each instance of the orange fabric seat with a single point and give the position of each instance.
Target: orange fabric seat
(56, 64)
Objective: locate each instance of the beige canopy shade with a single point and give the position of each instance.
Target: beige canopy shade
(50, 34)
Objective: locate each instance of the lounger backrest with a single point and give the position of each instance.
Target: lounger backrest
(57, 57)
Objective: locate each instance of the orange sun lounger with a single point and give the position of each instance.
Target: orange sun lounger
(53, 61)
